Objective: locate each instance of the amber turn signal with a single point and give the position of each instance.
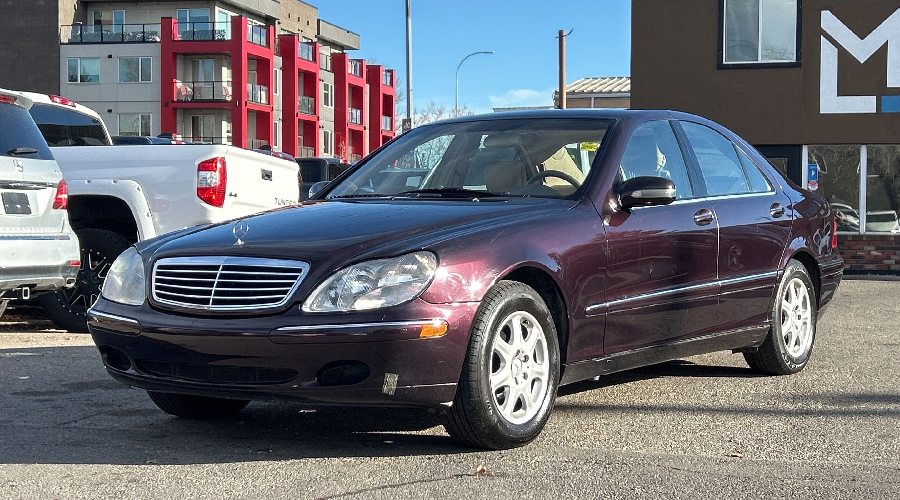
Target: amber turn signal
(434, 329)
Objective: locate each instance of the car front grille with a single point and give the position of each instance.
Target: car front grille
(225, 283)
(216, 374)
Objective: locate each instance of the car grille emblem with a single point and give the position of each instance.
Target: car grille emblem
(240, 232)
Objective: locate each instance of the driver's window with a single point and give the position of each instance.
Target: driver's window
(653, 151)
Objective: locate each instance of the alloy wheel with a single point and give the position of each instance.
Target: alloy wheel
(796, 318)
(520, 368)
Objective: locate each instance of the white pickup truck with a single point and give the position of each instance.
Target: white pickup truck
(121, 194)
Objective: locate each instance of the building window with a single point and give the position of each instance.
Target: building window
(134, 124)
(276, 82)
(327, 94)
(327, 142)
(135, 69)
(760, 32)
(325, 59)
(84, 70)
(276, 137)
(110, 17)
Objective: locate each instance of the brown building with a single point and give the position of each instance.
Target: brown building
(813, 84)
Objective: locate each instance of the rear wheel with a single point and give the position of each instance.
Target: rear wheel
(67, 307)
(508, 383)
(787, 348)
(196, 407)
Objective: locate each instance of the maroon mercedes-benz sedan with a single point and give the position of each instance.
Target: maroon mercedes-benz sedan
(477, 264)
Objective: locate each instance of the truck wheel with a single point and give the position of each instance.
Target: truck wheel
(67, 307)
(196, 407)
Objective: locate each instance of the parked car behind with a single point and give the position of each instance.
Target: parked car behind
(38, 250)
(64, 122)
(132, 140)
(314, 170)
(475, 265)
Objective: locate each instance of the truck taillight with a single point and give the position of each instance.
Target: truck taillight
(62, 100)
(834, 234)
(211, 180)
(61, 200)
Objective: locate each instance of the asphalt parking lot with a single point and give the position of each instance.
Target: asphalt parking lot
(703, 427)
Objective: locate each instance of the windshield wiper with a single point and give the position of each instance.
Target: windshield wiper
(21, 151)
(449, 192)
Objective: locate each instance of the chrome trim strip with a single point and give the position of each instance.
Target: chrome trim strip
(113, 317)
(37, 237)
(718, 283)
(689, 340)
(347, 326)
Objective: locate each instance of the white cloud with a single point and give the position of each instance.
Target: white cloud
(523, 97)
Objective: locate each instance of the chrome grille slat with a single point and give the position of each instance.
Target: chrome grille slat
(225, 283)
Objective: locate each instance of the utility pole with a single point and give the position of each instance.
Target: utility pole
(407, 123)
(562, 68)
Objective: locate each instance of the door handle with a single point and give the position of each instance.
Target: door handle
(703, 217)
(777, 210)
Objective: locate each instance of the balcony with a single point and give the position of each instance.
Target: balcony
(204, 31)
(387, 78)
(355, 68)
(258, 35)
(355, 116)
(355, 157)
(387, 123)
(307, 105)
(308, 51)
(258, 94)
(109, 33)
(203, 91)
(306, 150)
(256, 143)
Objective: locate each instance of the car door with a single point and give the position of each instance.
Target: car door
(662, 259)
(754, 226)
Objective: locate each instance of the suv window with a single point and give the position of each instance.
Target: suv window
(17, 130)
(64, 127)
(718, 160)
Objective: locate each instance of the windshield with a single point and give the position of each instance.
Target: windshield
(68, 127)
(544, 157)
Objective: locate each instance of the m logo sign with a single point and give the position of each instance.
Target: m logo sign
(888, 33)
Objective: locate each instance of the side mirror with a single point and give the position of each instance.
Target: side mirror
(315, 188)
(645, 192)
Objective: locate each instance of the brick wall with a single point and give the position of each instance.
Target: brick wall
(870, 252)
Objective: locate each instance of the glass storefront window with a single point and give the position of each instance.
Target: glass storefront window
(883, 189)
(839, 169)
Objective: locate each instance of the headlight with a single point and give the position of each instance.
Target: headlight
(374, 284)
(125, 282)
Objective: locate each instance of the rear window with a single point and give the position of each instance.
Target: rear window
(19, 137)
(68, 127)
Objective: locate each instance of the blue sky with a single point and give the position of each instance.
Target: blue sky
(523, 70)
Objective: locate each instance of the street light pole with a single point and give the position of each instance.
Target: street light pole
(456, 108)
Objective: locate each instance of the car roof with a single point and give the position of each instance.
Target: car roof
(46, 99)
(19, 98)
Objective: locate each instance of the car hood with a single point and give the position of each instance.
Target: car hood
(331, 234)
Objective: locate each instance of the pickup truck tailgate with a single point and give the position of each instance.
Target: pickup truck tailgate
(259, 182)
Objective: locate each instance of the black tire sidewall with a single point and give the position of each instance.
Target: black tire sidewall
(792, 364)
(521, 299)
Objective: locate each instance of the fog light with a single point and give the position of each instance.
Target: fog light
(436, 328)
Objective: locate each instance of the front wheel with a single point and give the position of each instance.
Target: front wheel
(787, 348)
(196, 407)
(508, 383)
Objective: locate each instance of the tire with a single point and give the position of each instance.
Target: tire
(789, 344)
(196, 407)
(67, 307)
(514, 338)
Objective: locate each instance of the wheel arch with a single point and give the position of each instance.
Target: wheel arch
(549, 290)
(103, 212)
(812, 267)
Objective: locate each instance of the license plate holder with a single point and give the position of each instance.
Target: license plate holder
(16, 203)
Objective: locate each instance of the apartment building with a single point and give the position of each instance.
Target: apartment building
(241, 72)
(813, 84)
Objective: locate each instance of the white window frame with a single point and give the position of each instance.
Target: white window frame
(140, 68)
(78, 70)
(140, 120)
(276, 82)
(327, 142)
(276, 136)
(328, 94)
(759, 40)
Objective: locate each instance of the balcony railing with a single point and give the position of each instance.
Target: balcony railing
(206, 139)
(355, 157)
(257, 34)
(109, 33)
(305, 150)
(355, 67)
(204, 31)
(387, 123)
(307, 105)
(258, 93)
(308, 51)
(203, 90)
(355, 116)
(388, 78)
(256, 143)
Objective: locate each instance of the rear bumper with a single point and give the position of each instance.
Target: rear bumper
(41, 263)
(249, 359)
(832, 271)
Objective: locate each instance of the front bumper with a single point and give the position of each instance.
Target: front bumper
(289, 355)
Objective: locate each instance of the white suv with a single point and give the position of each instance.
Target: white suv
(38, 250)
